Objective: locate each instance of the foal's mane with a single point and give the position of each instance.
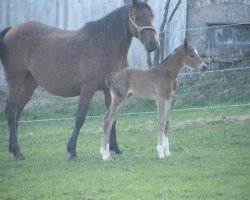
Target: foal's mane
(164, 60)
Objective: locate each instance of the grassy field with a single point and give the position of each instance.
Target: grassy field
(210, 159)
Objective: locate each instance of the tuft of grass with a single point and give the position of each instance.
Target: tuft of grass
(210, 159)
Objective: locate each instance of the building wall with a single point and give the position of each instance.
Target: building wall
(202, 13)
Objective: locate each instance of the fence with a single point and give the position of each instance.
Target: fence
(211, 90)
(216, 88)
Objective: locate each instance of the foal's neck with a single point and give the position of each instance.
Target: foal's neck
(172, 65)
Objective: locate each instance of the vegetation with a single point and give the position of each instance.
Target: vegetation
(210, 159)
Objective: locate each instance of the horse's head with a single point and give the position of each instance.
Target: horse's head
(140, 24)
(191, 58)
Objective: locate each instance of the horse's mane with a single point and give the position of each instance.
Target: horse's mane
(111, 26)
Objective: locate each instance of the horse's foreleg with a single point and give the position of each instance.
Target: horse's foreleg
(109, 119)
(85, 98)
(163, 145)
(113, 146)
(15, 86)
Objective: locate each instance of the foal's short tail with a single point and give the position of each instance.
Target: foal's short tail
(109, 82)
(2, 34)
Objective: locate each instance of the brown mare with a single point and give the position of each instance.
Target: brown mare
(70, 63)
(157, 83)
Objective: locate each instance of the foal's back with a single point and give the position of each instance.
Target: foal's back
(144, 82)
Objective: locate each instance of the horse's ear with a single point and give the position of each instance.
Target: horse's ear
(134, 3)
(146, 1)
(185, 43)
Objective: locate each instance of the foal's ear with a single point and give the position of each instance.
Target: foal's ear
(134, 3)
(185, 43)
(146, 1)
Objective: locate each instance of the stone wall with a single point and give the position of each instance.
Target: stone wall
(201, 13)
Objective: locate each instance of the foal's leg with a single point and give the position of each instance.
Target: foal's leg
(162, 146)
(113, 142)
(85, 98)
(109, 119)
(165, 137)
(15, 86)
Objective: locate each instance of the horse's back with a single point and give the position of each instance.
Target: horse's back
(22, 39)
(47, 52)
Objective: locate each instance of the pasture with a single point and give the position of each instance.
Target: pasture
(210, 159)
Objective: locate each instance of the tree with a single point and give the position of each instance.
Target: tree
(160, 53)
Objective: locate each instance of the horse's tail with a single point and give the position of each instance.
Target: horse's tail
(2, 46)
(109, 82)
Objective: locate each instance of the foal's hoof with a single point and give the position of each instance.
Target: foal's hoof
(115, 149)
(108, 158)
(19, 156)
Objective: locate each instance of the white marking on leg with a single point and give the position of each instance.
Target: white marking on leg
(166, 146)
(105, 153)
(160, 150)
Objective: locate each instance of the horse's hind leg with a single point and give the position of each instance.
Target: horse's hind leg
(15, 86)
(113, 146)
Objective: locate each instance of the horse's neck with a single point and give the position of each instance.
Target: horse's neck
(172, 65)
(111, 33)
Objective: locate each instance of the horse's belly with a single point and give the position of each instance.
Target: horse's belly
(60, 85)
(64, 91)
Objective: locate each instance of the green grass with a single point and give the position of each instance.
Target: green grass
(210, 159)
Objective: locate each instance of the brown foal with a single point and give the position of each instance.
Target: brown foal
(157, 83)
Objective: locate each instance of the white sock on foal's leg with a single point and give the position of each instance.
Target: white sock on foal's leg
(166, 146)
(160, 150)
(105, 153)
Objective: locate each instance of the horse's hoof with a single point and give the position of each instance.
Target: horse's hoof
(116, 150)
(73, 158)
(19, 156)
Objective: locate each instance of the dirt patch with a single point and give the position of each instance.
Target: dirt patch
(43, 99)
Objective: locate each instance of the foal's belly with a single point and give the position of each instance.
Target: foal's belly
(142, 94)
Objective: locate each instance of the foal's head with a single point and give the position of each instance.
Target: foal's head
(191, 58)
(140, 24)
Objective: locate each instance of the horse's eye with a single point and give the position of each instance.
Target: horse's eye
(138, 18)
(192, 55)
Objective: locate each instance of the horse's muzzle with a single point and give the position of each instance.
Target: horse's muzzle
(151, 45)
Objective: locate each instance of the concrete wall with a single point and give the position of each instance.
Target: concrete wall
(201, 12)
